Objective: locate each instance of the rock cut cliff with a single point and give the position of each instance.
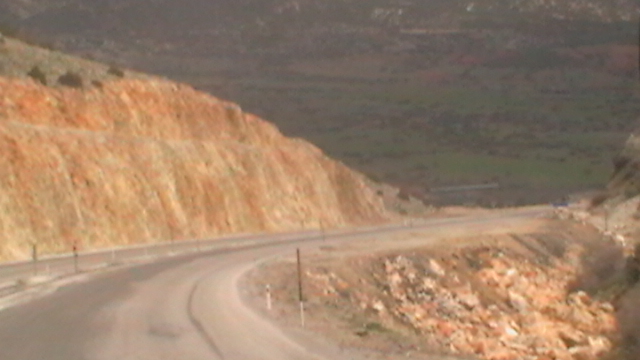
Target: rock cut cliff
(136, 161)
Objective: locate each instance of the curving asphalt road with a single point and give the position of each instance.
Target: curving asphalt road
(186, 307)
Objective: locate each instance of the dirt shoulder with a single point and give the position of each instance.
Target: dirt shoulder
(520, 291)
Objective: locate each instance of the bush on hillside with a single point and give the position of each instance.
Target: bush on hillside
(38, 75)
(115, 71)
(97, 83)
(71, 79)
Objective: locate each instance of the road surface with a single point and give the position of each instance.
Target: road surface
(185, 307)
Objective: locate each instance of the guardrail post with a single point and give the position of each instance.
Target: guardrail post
(268, 295)
(300, 293)
(34, 257)
(75, 257)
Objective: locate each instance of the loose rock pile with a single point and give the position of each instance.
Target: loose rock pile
(506, 308)
(489, 302)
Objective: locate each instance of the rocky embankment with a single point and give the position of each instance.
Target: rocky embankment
(536, 296)
(135, 161)
(496, 304)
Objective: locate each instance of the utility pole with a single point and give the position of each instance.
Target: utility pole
(300, 294)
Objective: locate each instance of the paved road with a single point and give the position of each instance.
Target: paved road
(185, 307)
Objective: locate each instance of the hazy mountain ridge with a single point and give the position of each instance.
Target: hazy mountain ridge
(236, 25)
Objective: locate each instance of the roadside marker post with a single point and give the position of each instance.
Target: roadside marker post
(268, 295)
(302, 313)
(34, 257)
(113, 256)
(75, 257)
(300, 293)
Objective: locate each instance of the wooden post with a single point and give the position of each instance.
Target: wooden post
(34, 257)
(75, 257)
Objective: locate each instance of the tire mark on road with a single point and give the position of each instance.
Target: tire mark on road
(198, 325)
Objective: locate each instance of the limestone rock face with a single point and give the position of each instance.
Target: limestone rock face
(137, 161)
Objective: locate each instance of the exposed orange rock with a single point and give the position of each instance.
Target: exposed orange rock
(144, 161)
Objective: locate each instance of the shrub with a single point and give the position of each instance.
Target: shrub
(98, 84)
(71, 79)
(115, 71)
(38, 75)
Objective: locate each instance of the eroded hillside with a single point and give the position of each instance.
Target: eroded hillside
(534, 95)
(148, 160)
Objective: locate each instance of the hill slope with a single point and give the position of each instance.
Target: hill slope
(150, 160)
(535, 95)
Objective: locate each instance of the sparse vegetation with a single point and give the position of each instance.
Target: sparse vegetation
(38, 75)
(71, 79)
(115, 71)
(97, 83)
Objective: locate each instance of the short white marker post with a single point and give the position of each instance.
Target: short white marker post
(300, 294)
(268, 295)
(113, 256)
(34, 257)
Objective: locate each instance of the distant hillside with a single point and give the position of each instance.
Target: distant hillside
(236, 25)
(535, 95)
